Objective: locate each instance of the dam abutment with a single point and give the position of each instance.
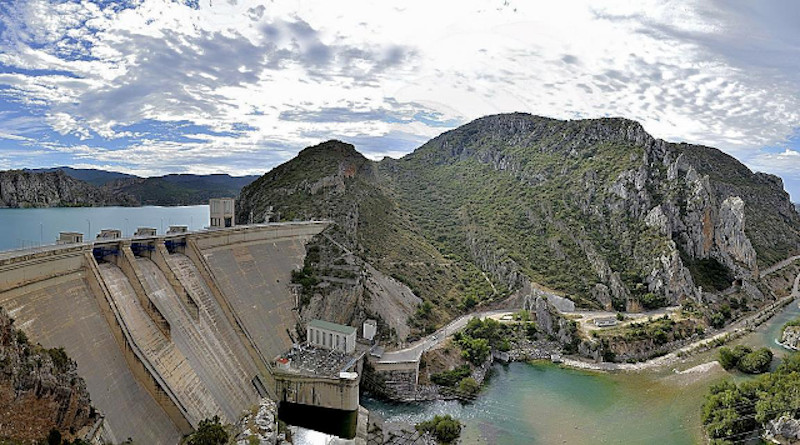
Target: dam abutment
(167, 331)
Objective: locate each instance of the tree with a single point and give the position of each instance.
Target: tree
(468, 387)
(476, 350)
(210, 432)
(727, 358)
(445, 428)
(54, 437)
(756, 362)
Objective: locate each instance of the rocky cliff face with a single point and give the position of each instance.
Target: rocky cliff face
(596, 210)
(791, 337)
(20, 188)
(39, 389)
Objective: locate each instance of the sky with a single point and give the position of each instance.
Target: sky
(151, 87)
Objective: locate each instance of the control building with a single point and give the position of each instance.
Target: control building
(222, 212)
(69, 238)
(145, 231)
(177, 229)
(109, 234)
(324, 334)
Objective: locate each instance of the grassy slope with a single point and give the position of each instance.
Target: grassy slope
(513, 189)
(530, 215)
(369, 221)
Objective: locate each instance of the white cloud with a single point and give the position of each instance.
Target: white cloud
(287, 74)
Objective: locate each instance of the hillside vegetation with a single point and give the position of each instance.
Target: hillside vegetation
(596, 210)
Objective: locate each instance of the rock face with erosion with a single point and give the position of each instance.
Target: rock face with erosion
(784, 431)
(260, 426)
(54, 189)
(597, 210)
(791, 337)
(39, 389)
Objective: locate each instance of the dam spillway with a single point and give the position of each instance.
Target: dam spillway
(166, 331)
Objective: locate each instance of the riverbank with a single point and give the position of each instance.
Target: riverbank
(542, 403)
(733, 331)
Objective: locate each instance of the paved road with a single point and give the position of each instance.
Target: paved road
(734, 328)
(414, 352)
(779, 266)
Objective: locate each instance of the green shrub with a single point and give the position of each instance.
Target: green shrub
(445, 428)
(727, 358)
(652, 301)
(60, 359)
(745, 359)
(209, 432)
(756, 362)
(468, 387)
(452, 377)
(717, 320)
(475, 350)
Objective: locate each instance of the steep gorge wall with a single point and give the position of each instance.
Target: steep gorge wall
(164, 339)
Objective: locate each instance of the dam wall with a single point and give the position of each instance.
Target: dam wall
(166, 331)
(51, 296)
(252, 270)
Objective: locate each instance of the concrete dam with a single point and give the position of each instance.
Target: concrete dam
(170, 330)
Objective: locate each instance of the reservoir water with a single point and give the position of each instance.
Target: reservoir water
(23, 228)
(542, 403)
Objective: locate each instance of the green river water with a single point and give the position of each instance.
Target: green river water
(542, 403)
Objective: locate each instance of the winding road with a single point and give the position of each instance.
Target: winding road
(413, 352)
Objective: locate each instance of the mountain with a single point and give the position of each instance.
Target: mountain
(90, 175)
(595, 210)
(174, 189)
(180, 189)
(21, 188)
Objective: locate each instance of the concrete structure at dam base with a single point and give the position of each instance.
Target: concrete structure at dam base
(170, 330)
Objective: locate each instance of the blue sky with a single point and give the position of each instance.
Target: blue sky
(238, 86)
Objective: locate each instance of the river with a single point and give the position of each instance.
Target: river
(23, 228)
(522, 403)
(542, 403)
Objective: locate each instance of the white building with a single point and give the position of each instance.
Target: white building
(370, 329)
(109, 234)
(69, 238)
(325, 334)
(177, 229)
(222, 212)
(145, 231)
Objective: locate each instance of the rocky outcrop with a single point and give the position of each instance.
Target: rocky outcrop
(19, 188)
(548, 320)
(784, 430)
(791, 337)
(260, 426)
(597, 210)
(39, 389)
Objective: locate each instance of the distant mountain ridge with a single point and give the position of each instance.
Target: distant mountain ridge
(21, 188)
(597, 210)
(91, 175)
(168, 190)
